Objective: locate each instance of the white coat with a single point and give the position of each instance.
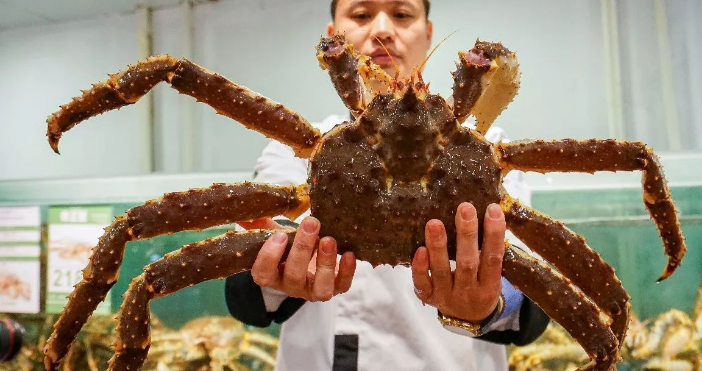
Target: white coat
(395, 330)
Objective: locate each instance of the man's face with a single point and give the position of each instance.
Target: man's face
(401, 26)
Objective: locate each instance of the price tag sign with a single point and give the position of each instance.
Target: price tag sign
(20, 248)
(73, 232)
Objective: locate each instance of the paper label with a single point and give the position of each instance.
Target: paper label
(73, 232)
(20, 249)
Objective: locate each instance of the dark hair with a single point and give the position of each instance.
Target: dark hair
(333, 8)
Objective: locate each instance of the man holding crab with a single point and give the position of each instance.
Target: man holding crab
(378, 322)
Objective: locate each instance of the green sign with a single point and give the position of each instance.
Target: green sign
(73, 232)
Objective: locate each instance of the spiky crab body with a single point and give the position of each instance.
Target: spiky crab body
(409, 161)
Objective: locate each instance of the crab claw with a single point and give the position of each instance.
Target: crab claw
(486, 81)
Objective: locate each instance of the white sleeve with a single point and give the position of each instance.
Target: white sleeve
(513, 182)
(278, 165)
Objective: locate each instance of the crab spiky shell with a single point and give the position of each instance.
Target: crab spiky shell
(377, 181)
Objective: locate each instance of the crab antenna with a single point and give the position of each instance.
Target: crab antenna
(421, 66)
(397, 69)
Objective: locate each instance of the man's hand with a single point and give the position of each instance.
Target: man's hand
(471, 292)
(311, 271)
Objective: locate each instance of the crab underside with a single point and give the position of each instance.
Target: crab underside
(373, 184)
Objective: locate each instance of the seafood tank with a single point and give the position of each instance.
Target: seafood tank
(192, 329)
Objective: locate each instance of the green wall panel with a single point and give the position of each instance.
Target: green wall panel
(615, 223)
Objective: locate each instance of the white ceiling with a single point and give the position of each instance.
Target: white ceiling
(24, 13)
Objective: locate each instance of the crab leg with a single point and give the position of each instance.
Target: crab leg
(569, 253)
(485, 82)
(195, 209)
(262, 339)
(259, 354)
(529, 357)
(351, 73)
(229, 99)
(588, 156)
(578, 315)
(98, 277)
(214, 258)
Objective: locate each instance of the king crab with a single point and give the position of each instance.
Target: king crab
(406, 156)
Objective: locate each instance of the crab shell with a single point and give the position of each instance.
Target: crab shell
(405, 160)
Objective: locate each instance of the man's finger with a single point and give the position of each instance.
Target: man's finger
(295, 274)
(265, 268)
(323, 285)
(263, 223)
(346, 270)
(441, 276)
(493, 250)
(420, 275)
(467, 254)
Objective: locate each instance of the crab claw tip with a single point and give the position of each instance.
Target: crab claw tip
(672, 265)
(54, 142)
